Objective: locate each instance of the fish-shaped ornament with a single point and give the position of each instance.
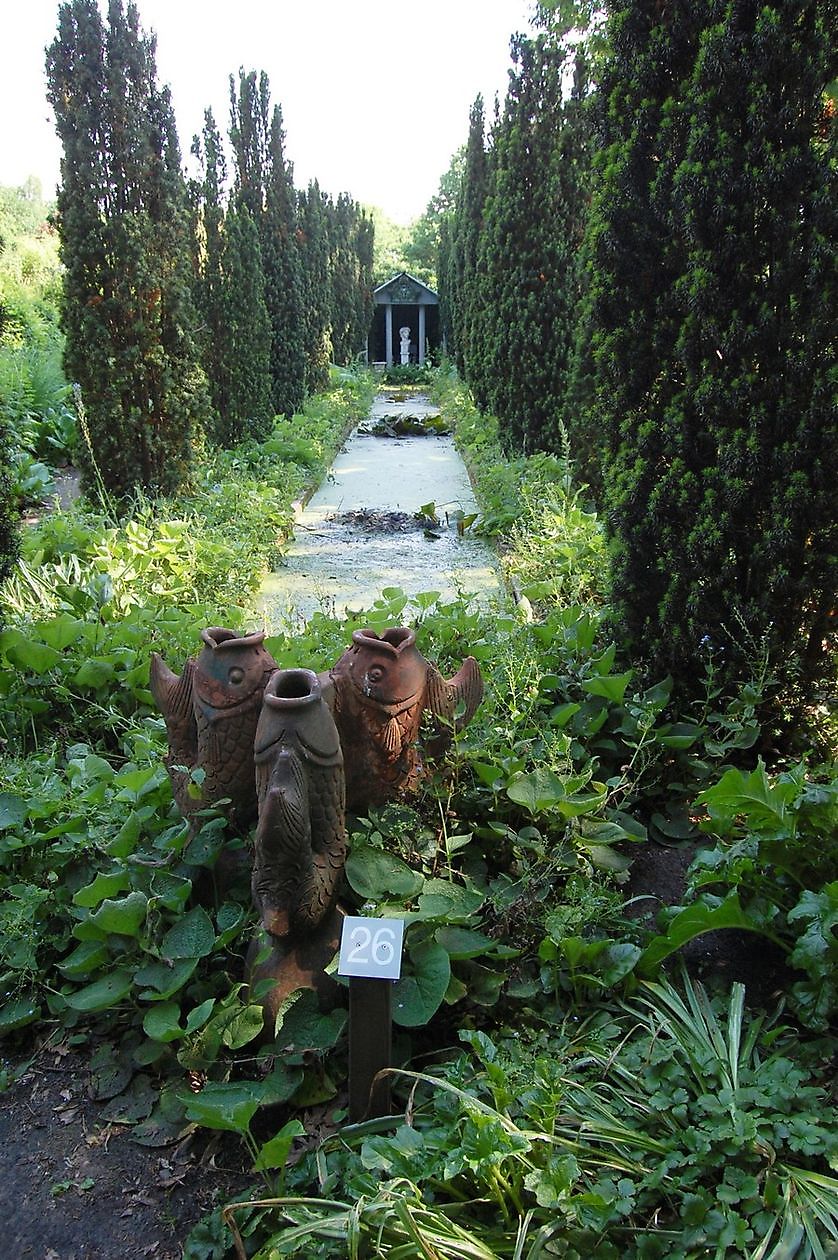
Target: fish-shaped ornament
(301, 835)
(211, 712)
(382, 687)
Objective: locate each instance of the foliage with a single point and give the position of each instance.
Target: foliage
(127, 312)
(669, 1129)
(709, 403)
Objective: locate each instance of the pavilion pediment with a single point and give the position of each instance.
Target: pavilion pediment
(405, 290)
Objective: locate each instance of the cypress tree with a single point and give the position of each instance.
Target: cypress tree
(710, 351)
(123, 217)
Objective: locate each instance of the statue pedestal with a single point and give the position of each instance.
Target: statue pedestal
(295, 963)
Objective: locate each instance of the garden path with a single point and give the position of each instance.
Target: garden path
(359, 533)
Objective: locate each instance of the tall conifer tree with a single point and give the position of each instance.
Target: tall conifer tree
(710, 348)
(123, 216)
(264, 185)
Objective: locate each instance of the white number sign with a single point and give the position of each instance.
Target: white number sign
(371, 947)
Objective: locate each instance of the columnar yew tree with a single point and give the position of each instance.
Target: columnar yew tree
(710, 338)
(246, 353)
(519, 341)
(264, 186)
(313, 217)
(458, 271)
(350, 266)
(123, 218)
(211, 299)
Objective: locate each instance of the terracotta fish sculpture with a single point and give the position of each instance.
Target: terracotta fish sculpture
(300, 836)
(382, 688)
(211, 712)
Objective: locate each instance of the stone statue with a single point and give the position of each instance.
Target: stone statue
(404, 336)
(382, 687)
(211, 712)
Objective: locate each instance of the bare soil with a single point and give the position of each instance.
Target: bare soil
(73, 1186)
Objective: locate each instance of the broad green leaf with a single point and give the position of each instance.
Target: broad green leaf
(242, 1026)
(691, 922)
(461, 942)
(561, 715)
(306, 1027)
(228, 1106)
(94, 673)
(417, 997)
(373, 873)
(104, 885)
(610, 686)
(102, 994)
(61, 631)
(274, 1153)
(162, 1022)
(228, 920)
(679, 734)
(762, 803)
(122, 917)
(18, 1013)
(28, 653)
(577, 803)
(199, 1015)
(85, 958)
(193, 936)
(162, 980)
(444, 898)
(13, 810)
(536, 791)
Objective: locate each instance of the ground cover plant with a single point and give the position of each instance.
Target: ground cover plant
(625, 1114)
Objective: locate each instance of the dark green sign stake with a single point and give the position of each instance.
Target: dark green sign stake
(370, 1047)
(370, 954)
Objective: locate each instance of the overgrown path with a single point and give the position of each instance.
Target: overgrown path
(394, 511)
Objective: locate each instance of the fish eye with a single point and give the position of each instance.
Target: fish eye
(236, 675)
(375, 673)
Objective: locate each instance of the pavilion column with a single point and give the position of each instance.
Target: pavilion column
(422, 333)
(389, 327)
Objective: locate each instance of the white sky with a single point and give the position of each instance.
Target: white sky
(375, 95)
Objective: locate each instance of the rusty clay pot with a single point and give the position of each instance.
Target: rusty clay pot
(300, 836)
(211, 713)
(382, 688)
